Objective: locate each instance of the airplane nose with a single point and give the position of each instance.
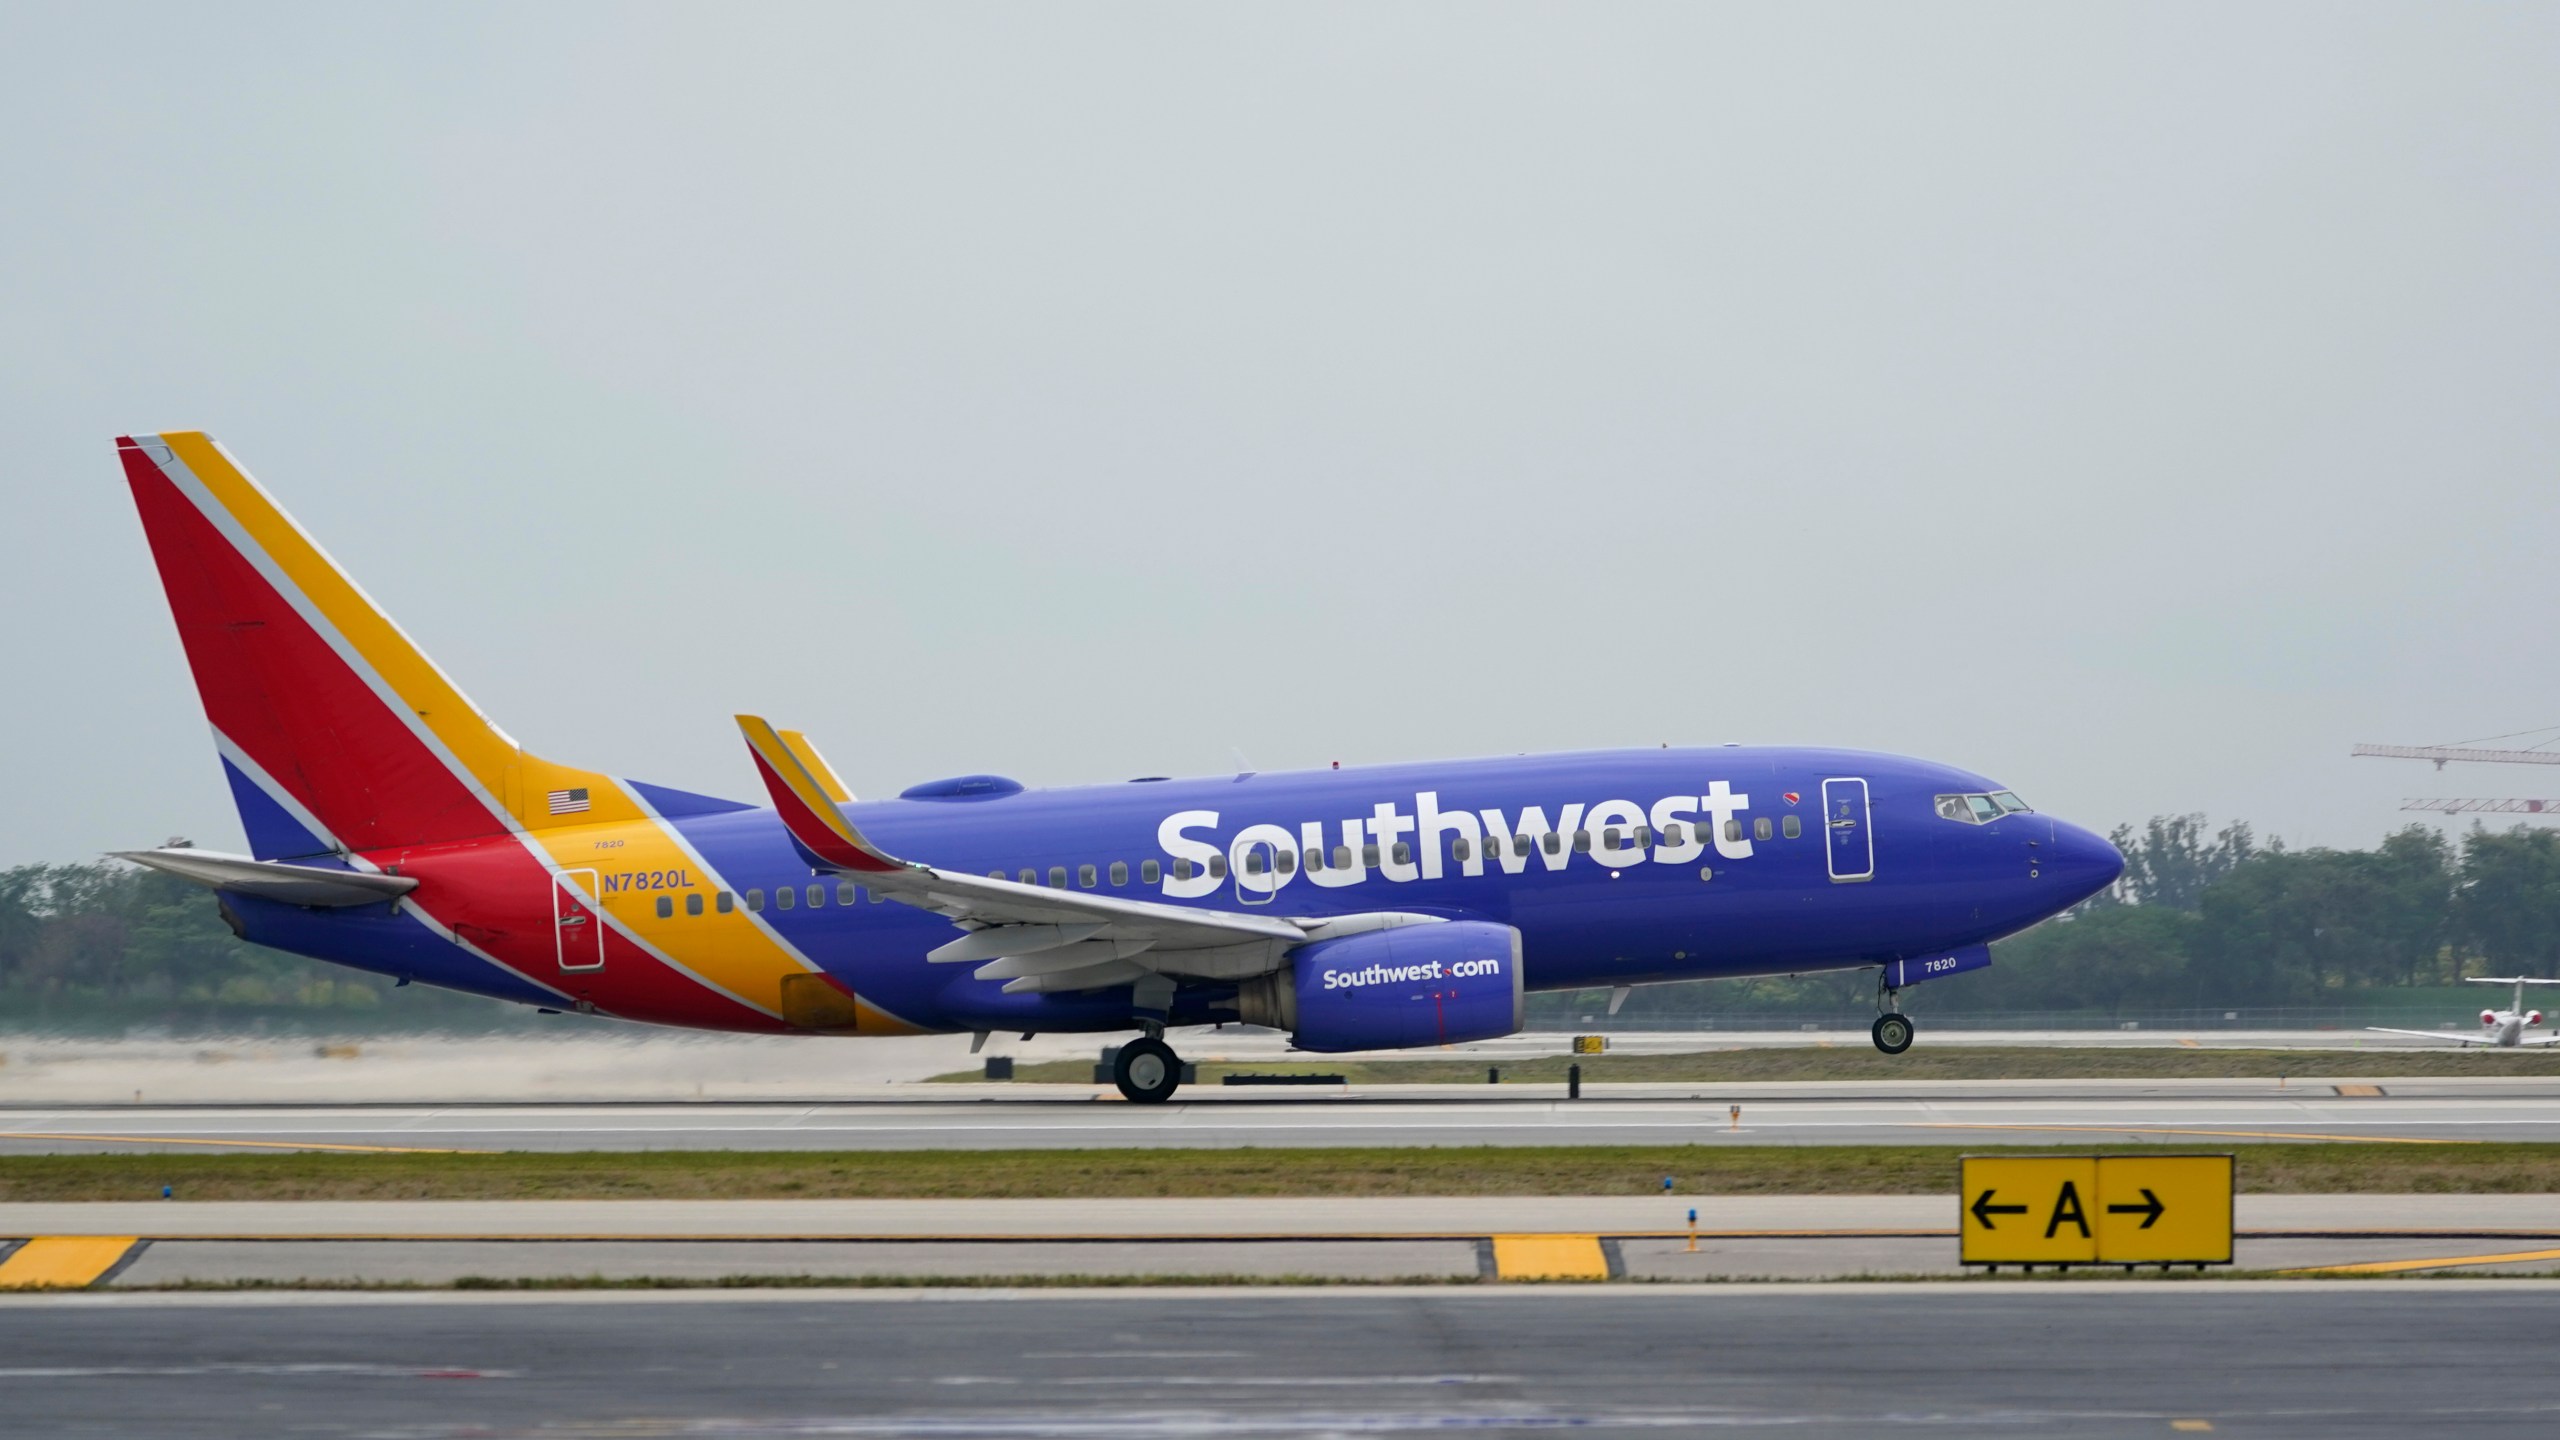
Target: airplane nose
(2083, 863)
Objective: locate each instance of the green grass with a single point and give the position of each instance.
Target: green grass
(2497, 1168)
(1859, 1061)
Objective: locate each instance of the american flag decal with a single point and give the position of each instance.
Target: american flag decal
(569, 802)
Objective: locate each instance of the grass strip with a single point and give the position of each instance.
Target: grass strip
(1860, 1061)
(2498, 1168)
(1130, 1282)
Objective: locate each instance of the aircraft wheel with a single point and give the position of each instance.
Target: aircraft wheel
(1892, 1033)
(1149, 1072)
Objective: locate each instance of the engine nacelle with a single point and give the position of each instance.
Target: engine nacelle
(1433, 984)
(2488, 1017)
(2533, 1017)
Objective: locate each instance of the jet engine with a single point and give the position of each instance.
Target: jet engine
(2488, 1017)
(2533, 1017)
(1431, 984)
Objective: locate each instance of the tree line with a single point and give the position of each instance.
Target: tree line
(2203, 917)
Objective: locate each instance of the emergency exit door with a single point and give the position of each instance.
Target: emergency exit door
(577, 929)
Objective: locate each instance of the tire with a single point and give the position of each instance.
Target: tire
(1892, 1033)
(1148, 1071)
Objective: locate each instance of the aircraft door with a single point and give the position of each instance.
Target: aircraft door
(1848, 824)
(577, 926)
(1257, 872)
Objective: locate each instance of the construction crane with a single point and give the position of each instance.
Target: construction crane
(2442, 753)
(2485, 807)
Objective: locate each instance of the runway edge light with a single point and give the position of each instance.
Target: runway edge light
(2065, 1210)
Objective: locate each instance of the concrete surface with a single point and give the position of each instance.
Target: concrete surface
(592, 1060)
(1957, 1113)
(2104, 1361)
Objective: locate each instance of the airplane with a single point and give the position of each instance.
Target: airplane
(2505, 1028)
(392, 827)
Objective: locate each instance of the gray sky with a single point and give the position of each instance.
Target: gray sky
(2138, 403)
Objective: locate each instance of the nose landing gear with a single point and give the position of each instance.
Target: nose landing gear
(1148, 1071)
(1892, 1030)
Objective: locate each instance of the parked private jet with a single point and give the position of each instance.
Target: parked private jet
(2502, 1028)
(393, 828)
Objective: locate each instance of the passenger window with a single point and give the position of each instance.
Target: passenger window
(1087, 877)
(1150, 872)
(1181, 869)
(1341, 857)
(784, 897)
(1644, 837)
(1057, 877)
(1404, 853)
(1217, 867)
(1030, 876)
(1369, 855)
(1253, 860)
(666, 907)
(1675, 834)
(693, 902)
(844, 892)
(1315, 858)
(1460, 849)
(1760, 828)
(995, 874)
(1581, 842)
(1119, 872)
(1554, 842)
(817, 897)
(725, 903)
(1792, 827)
(1287, 860)
(1733, 830)
(1609, 838)
(755, 900)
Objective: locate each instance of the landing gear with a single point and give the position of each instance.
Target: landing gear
(1892, 1032)
(1149, 1072)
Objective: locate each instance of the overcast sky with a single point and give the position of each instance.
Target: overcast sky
(2137, 403)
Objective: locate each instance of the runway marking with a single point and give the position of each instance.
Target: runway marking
(2194, 1425)
(2174, 1130)
(239, 1144)
(2359, 1092)
(67, 1262)
(2394, 1267)
(1549, 1257)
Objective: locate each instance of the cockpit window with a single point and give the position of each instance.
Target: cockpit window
(1979, 809)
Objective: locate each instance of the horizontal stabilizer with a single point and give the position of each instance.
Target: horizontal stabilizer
(274, 880)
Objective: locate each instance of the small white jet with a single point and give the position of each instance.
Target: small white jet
(2502, 1028)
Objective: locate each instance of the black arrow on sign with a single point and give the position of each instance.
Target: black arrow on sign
(2150, 1209)
(1983, 1209)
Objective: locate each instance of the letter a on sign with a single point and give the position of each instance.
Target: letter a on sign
(2067, 1211)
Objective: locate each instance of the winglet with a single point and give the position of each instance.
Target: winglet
(807, 808)
(817, 766)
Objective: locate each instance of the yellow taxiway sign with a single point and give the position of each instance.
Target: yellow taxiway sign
(2096, 1210)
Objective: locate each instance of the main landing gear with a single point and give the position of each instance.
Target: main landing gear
(1892, 1030)
(1148, 1071)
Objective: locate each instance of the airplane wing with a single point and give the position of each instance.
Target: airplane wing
(1030, 936)
(2540, 1040)
(2455, 1036)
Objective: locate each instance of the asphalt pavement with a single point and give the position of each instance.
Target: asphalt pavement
(2287, 1360)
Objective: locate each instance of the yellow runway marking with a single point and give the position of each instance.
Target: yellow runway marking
(2190, 1424)
(2358, 1092)
(2174, 1130)
(237, 1144)
(1549, 1257)
(2394, 1267)
(62, 1261)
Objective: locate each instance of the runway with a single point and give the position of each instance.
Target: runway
(2285, 1360)
(1955, 1113)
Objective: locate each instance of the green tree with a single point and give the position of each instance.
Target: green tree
(2508, 908)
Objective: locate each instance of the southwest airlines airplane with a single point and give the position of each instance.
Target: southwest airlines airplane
(392, 827)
